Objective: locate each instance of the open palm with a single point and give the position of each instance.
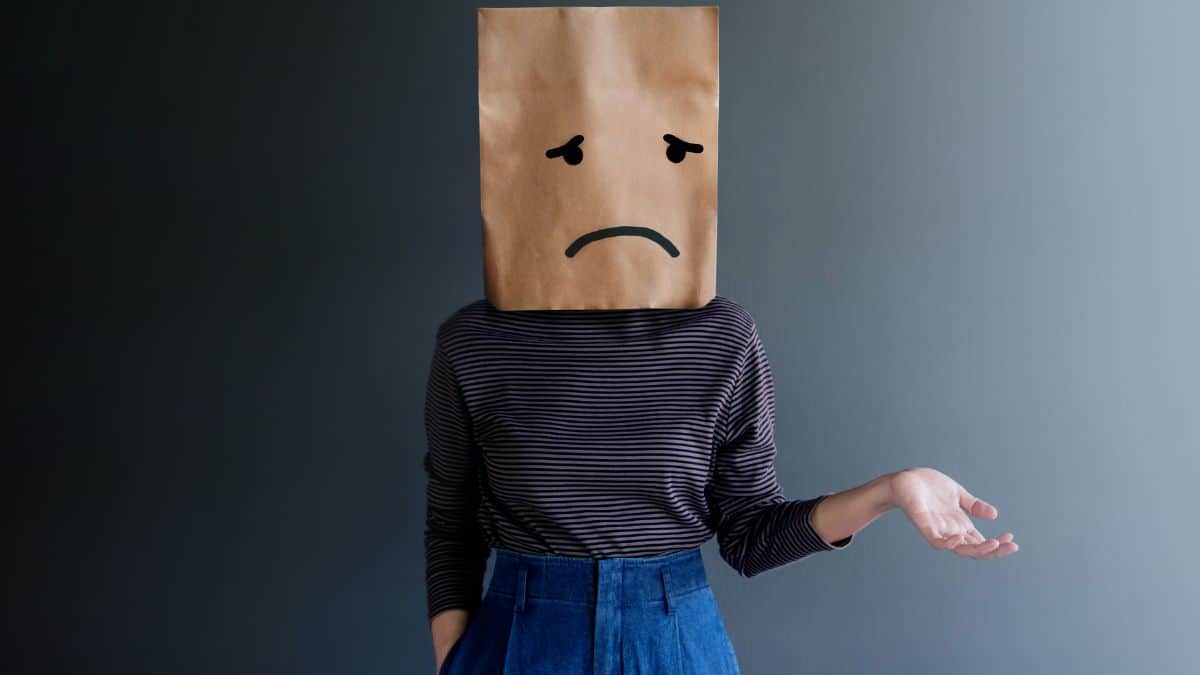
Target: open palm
(941, 510)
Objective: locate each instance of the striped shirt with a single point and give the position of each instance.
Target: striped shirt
(602, 433)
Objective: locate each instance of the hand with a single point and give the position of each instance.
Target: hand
(448, 627)
(940, 509)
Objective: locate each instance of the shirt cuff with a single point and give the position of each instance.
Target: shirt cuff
(440, 603)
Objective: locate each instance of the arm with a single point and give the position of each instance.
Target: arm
(844, 513)
(455, 551)
(757, 527)
(937, 505)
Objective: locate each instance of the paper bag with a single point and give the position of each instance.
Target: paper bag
(598, 156)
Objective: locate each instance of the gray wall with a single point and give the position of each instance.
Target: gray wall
(968, 232)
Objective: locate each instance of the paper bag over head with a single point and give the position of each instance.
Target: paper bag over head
(598, 156)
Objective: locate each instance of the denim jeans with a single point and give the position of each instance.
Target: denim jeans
(584, 616)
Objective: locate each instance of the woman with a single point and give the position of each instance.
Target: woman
(595, 451)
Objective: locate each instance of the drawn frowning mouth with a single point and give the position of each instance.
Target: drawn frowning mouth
(621, 231)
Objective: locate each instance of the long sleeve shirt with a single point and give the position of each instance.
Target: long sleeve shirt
(602, 433)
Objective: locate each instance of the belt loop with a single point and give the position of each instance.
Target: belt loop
(519, 594)
(666, 585)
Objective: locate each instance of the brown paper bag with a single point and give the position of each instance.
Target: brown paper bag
(598, 156)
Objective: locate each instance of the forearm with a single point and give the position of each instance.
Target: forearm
(844, 513)
(447, 627)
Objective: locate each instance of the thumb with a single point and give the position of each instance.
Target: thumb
(976, 506)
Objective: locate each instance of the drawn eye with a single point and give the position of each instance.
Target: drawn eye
(570, 151)
(677, 148)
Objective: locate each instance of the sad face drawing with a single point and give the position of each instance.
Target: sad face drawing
(573, 154)
(598, 158)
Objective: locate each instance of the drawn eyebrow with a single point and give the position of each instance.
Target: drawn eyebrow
(689, 147)
(565, 147)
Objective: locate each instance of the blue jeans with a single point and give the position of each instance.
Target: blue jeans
(606, 616)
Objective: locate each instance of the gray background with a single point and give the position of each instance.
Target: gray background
(968, 232)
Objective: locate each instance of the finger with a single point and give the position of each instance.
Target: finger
(977, 550)
(1005, 538)
(976, 506)
(1006, 548)
(971, 547)
(947, 542)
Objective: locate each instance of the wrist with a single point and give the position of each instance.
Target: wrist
(882, 493)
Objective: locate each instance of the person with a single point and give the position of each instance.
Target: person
(602, 412)
(568, 439)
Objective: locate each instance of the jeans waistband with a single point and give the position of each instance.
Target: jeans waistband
(640, 580)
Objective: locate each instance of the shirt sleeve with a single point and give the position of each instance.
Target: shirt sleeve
(758, 528)
(455, 550)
